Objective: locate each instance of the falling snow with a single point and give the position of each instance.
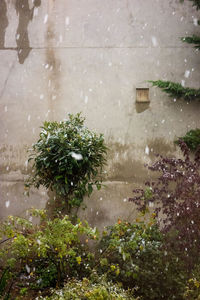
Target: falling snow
(151, 204)
(195, 21)
(86, 99)
(183, 83)
(187, 73)
(7, 204)
(47, 113)
(45, 19)
(146, 150)
(76, 156)
(154, 41)
(28, 269)
(26, 164)
(67, 21)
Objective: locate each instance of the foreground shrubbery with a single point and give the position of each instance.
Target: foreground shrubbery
(134, 255)
(94, 289)
(52, 253)
(45, 255)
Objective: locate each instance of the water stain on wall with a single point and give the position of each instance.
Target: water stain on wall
(160, 146)
(52, 63)
(53, 76)
(25, 16)
(13, 158)
(131, 170)
(3, 22)
(123, 165)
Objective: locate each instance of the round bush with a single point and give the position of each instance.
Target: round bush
(68, 158)
(133, 254)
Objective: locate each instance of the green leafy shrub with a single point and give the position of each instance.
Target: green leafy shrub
(191, 138)
(5, 282)
(176, 90)
(192, 289)
(133, 254)
(90, 290)
(68, 158)
(55, 245)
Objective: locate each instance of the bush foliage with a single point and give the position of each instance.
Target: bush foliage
(133, 254)
(174, 89)
(48, 253)
(192, 289)
(98, 289)
(191, 138)
(194, 39)
(68, 158)
(176, 194)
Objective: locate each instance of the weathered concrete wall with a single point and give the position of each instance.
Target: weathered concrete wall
(91, 55)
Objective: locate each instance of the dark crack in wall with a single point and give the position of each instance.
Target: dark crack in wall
(3, 22)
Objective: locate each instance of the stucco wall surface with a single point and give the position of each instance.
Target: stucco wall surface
(59, 57)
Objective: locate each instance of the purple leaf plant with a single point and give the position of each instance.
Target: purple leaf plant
(176, 198)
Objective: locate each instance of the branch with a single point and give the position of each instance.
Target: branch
(177, 90)
(194, 39)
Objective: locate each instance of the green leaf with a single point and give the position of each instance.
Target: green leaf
(90, 189)
(98, 185)
(58, 177)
